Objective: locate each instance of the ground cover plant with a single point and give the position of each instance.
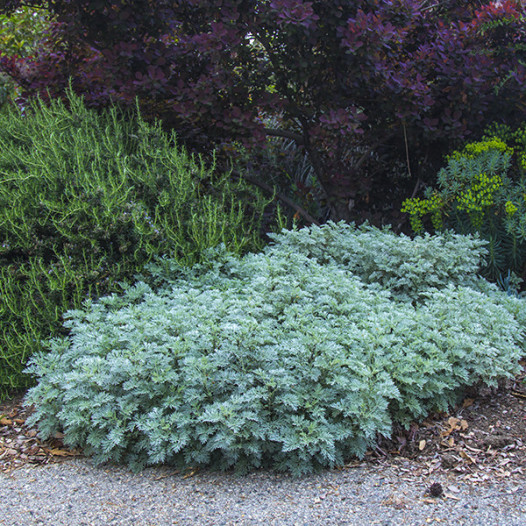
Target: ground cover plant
(86, 200)
(294, 358)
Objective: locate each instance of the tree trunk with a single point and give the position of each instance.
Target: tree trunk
(340, 199)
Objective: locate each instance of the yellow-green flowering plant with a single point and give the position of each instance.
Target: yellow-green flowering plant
(418, 207)
(481, 190)
(474, 149)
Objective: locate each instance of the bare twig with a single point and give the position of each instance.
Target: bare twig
(286, 134)
(416, 188)
(406, 150)
(283, 198)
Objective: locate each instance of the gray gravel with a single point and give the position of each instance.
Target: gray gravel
(80, 494)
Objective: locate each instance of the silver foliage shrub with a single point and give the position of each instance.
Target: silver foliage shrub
(405, 266)
(295, 358)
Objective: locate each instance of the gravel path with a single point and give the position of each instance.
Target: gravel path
(77, 493)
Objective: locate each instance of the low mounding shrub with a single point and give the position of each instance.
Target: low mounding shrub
(296, 358)
(86, 200)
(406, 267)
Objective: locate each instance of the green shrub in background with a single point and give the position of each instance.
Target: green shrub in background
(482, 190)
(295, 358)
(85, 201)
(21, 33)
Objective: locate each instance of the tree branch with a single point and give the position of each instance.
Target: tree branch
(289, 202)
(286, 134)
(371, 149)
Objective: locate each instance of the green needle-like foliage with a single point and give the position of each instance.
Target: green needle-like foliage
(295, 358)
(86, 200)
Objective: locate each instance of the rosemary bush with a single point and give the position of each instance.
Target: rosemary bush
(86, 200)
(295, 358)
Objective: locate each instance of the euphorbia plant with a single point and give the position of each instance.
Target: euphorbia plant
(354, 82)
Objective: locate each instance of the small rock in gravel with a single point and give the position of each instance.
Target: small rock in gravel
(448, 460)
(436, 490)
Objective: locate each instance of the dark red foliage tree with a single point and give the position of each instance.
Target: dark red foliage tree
(353, 82)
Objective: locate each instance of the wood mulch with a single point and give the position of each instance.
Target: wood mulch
(20, 444)
(482, 440)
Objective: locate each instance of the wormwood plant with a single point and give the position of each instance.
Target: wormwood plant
(86, 200)
(482, 190)
(295, 358)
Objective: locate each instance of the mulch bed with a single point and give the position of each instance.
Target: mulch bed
(19, 443)
(482, 440)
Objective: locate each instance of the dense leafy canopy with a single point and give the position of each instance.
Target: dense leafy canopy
(353, 82)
